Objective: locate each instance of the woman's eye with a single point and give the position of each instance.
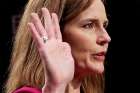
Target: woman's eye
(89, 26)
(105, 24)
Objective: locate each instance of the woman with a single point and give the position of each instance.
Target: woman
(63, 54)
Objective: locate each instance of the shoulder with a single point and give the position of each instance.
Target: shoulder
(26, 89)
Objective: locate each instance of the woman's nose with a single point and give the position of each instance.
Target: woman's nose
(103, 38)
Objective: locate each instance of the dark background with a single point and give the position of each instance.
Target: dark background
(121, 69)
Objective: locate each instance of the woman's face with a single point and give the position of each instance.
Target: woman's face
(88, 38)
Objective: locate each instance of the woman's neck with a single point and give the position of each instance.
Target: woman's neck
(75, 84)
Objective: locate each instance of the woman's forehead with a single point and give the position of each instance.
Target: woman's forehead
(95, 10)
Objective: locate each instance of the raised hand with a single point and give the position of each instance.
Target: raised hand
(55, 54)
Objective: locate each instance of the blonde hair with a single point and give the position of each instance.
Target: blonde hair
(26, 68)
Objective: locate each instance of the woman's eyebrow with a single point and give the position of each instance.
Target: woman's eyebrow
(95, 20)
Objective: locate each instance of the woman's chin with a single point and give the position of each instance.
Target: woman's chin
(91, 67)
(100, 70)
(97, 67)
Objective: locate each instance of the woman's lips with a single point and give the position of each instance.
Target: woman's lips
(99, 56)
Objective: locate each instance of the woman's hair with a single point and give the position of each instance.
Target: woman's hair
(26, 68)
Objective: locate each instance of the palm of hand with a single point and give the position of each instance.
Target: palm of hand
(56, 55)
(58, 61)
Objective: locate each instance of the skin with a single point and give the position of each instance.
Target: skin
(76, 55)
(87, 36)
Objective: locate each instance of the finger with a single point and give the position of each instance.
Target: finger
(35, 34)
(48, 23)
(56, 26)
(38, 25)
(44, 20)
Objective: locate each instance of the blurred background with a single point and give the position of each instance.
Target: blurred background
(10, 12)
(118, 11)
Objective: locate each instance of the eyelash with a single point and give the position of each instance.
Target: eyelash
(89, 25)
